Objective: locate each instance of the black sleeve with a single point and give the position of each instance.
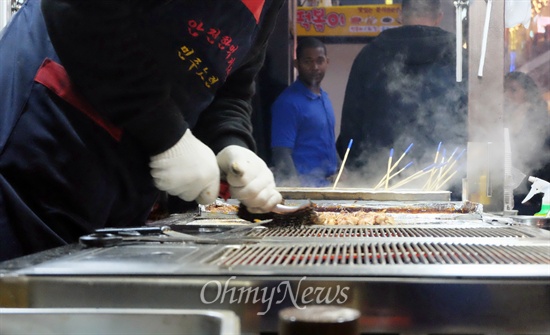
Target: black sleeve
(284, 169)
(353, 111)
(227, 121)
(98, 44)
(544, 171)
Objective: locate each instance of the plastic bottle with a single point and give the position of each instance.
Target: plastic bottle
(540, 186)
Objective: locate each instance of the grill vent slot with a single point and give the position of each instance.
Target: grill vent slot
(364, 232)
(380, 254)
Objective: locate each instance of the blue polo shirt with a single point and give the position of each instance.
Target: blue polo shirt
(304, 122)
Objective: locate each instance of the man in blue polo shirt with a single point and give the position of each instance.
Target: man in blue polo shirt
(302, 134)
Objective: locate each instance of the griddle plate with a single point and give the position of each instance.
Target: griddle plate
(381, 253)
(364, 232)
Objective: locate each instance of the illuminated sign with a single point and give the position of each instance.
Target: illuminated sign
(364, 20)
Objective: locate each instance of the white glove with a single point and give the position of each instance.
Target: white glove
(188, 170)
(249, 178)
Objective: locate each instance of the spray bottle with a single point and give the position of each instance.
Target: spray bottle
(540, 186)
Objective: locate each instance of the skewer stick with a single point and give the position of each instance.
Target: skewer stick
(435, 161)
(443, 163)
(400, 158)
(453, 154)
(381, 182)
(442, 175)
(448, 168)
(393, 175)
(343, 163)
(414, 176)
(393, 167)
(409, 179)
(398, 172)
(445, 181)
(389, 168)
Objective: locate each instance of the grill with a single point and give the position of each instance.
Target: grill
(381, 254)
(387, 232)
(455, 272)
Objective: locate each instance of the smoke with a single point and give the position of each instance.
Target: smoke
(421, 168)
(422, 111)
(529, 126)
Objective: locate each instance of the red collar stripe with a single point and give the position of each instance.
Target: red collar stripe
(255, 6)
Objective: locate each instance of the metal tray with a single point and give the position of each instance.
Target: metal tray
(327, 193)
(534, 221)
(110, 321)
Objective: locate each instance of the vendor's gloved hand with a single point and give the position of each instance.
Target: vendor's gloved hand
(188, 170)
(249, 178)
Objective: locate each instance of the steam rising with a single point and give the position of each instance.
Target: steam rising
(427, 114)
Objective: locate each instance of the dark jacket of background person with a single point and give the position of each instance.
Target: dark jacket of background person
(92, 90)
(402, 89)
(526, 116)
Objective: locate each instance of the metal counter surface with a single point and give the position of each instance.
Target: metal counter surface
(458, 273)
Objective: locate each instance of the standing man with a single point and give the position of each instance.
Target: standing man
(302, 136)
(106, 102)
(402, 89)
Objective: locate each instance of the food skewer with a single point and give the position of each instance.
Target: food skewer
(400, 158)
(394, 166)
(430, 182)
(443, 156)
(343, 163)
(437, 183)
(438, 186)
(416, 175)
(389, 169)
(435, 162)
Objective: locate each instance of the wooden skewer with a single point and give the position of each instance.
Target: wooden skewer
(442, 162)
(431, 182)
(409, 179)
(445, 181)
(437, 183)
(414, 176)
(381, 182)
(442, 175)
(393, 167)
(403, 155)
(398, 172)
(389, 169)
(435, 161)
(343, 163)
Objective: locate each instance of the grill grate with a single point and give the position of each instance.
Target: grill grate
(363, 232)
(380, 254)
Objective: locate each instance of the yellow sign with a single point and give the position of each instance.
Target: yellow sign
(365, 20)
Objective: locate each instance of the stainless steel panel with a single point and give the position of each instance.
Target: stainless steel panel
(456, 271)
(327, 193)
(421, 306)
(117, 321)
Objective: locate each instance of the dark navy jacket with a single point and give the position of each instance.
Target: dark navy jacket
(91, 89)
(149, 65)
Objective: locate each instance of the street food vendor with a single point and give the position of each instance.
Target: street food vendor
(105, 103)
